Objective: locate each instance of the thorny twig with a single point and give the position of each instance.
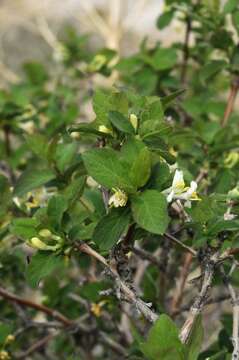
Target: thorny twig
(129, 294)
(209, 265)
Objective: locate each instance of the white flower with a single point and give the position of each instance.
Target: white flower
(179, 191)
(118, 199)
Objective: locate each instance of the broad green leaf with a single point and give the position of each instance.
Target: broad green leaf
(120, 122)
(110, 228)
(195, 340)
(32, 178)
(212, 68)
(230, 6)
(105, 166)
(163, 341)
(56, 207)
(163, 59)
(24, 228)
(141, 168)
(166, 100)
(42, 264)
(150, 211)
(74, 190)
(130, 150)
(5, 330)
(38, 144)
(65, 154)
(104, 102)
(165, 19)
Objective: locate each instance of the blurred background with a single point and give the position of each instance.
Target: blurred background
(30, 30)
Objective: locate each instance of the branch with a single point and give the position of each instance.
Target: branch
(128, 293)
(231, 100)
(25, 302)
(209, 269)
(36, 346)
(178, 295)
(186, 50)
(235, 307)
(178, 242)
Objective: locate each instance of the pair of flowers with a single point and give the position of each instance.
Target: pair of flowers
(177, 191)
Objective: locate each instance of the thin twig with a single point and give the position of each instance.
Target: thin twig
(186, 50)
(36, 346)
(178, 294)
(25, 302)
(231, 100)
(178, 242)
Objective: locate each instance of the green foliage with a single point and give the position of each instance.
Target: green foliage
(80, 192)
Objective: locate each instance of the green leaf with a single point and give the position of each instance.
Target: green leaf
(105, 102)
(32, 178)
(5, 330)
(120, 122)
(110, 228)
(165, 19)
(166, 100)
(88, 129)
(163, 341)
(141, 168)
(230, 6)
(212, 68)
(195, 340)
(42, 264)
(163, 59)
(105, 166)
(24, 228)
(150, 211)
(65, 154)
(38, 144)
(56, 207)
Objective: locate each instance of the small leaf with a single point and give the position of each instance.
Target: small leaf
(110, 228)
(56, 207)
(165, 19)
(230, 6)
(163, 341)
(64, 156)
(150, 211)
(42, 264)
(120, 122)
(31, 179)
(141, 168)
(166, 100)
(105, 166)
(163, 59)
(38, 144)
(195, 340)
(24, 228)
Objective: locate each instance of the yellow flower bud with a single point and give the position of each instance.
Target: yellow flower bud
(9, 339)
(104, 129)
(40, 245)
(134, 120)
(45, 233)
(4, 355)
(97, 62)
